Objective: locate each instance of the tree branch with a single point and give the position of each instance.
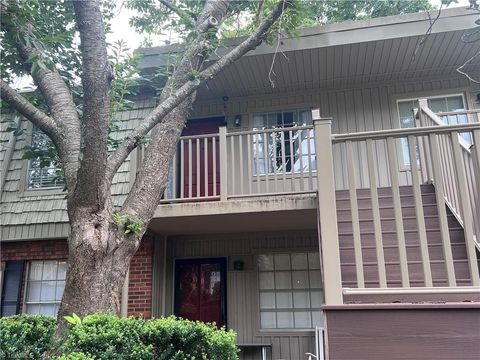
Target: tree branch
(180, 12)
(58, 97)
(156, 116)
(96, 78)
(29, 111)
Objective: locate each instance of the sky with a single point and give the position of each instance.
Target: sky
(122, 30)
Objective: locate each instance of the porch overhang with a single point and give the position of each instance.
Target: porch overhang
(377, 50)
(275, 213)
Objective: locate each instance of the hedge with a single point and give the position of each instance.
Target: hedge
(107, 337)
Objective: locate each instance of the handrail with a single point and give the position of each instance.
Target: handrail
(459, 112)
(266, 131)
(201, 136)
(400, 133)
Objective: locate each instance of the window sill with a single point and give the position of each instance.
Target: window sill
(57, 190)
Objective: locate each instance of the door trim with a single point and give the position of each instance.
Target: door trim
(222, 261)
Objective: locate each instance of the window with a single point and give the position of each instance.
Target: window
(43, 167)
(292, 151)
(290, 291)
(436, 104)
(44, 289)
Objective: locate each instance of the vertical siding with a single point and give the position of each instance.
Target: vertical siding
(361, 108)
(242, 290)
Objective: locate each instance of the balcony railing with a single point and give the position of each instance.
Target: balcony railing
(443, 150)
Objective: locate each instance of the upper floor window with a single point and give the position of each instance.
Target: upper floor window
(44, 169)
(291, 150)
(44, 287)
(437, 104)
(290, 290)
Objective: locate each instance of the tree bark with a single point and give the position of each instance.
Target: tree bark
(99, 255)
(99, 250)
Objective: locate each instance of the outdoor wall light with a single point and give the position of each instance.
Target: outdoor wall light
(238, 265)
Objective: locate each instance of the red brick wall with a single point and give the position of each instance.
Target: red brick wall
(140, 285)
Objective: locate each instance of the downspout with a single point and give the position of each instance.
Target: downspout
(124, 301)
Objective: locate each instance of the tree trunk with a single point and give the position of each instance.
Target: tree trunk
(98, 261)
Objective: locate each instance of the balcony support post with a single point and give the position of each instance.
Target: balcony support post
(327, 214)
(223, 163)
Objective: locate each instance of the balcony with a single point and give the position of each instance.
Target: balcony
(407, 201)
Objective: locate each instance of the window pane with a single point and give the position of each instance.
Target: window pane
(314, 260)
(49, 270)
(48, 290)
(300, 279)
(47, 309)
(437, 104)
(302, 320)
(317, 318)
(284, 300)
(301, 299)
(405, 110)
(59, 290)
(285, 320)
(317, 299)
(455, 103)
(62, 270)
(265, 262)
(266, 280)
(267, 320)
(259, 122)
(33, 291)
(35, 270)
(282, 262)
(299, 261)
(315, 279)
(283, 280)
(32, 309)
(267, 300)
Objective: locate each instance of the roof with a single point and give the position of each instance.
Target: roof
(345, 54)
(347, 32)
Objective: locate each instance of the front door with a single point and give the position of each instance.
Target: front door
(200, 290)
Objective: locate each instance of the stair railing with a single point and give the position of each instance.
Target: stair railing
(460, 166)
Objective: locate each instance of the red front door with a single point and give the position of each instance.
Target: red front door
(194, 174)
(200, 290)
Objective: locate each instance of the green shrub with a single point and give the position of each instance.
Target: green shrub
(26, 336)
(106, 337)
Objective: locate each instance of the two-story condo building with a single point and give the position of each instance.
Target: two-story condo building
(334, 213)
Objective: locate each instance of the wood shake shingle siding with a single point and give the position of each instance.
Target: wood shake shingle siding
(41, 213)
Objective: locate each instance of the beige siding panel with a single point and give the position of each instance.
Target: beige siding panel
(242, 293)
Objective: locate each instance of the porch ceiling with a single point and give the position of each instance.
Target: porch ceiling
(345, 54)
(345, 65)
